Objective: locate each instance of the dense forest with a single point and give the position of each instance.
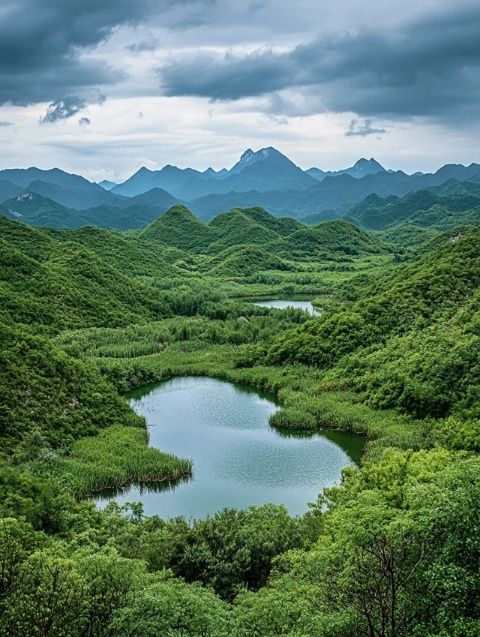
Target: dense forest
(88, 314)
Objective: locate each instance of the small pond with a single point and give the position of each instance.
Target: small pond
(281, 304)
(238, 459)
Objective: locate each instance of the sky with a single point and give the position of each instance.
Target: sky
(102, 87)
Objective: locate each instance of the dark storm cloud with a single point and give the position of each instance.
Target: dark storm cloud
(228, 77)
(67, 107)
(41, 42)
(84, 121)
(144, 45)
(363, 129)
(63, 109)
(430, 66)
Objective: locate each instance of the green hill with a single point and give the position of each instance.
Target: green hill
(43, 390)
(124, 251)
(333, 238)
(284, 237)
(237, 261)
(130, 254)
(281, 225)
(179, 228)
(374, 212)
(419, 320)
(235, 228)
(394, 355)
(72, 287)
(38, 210)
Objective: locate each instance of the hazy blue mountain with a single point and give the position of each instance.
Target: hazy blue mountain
(106, 184)
(74, 198)
(454, 186)
(24, 176)
(318, 173)
(338, 194)
(279, 202)
(320, 217)
(38, 210)
(264, 178)
(34, 209)
(342, 192)
(360, 169)
(217, 174)
(8, 189)
(458, 171)
(266, 169)
(72, 191)
(156, 198)
(170, 178)
(365, 167)
(332, 197)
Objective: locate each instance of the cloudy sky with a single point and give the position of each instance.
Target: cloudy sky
(101, 87)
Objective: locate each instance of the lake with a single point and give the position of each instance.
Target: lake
(238, 459)
(281, 304)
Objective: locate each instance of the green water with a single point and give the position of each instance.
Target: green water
(239, 460)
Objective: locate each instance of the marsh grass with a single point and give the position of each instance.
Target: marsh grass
(116, 457)
(305, 403)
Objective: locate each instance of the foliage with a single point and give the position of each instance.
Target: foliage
(392, 551)
(116, 457)
(43, 390)
(172, 608)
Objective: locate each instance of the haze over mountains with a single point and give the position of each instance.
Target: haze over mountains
(265, 178)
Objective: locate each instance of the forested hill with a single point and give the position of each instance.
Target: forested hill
(410, 340)
(62, 278)
(423, 208)
(180, 228)
(393, 355)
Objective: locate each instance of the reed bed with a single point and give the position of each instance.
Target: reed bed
(305, 403)
(116, 457)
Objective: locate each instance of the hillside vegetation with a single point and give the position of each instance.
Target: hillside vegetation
(394, 354)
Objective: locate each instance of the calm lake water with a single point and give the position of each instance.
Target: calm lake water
(239, 460)
(281, 304)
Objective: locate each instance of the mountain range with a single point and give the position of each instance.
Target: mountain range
(265, 178)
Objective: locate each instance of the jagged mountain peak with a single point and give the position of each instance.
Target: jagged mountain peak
(250, 157)
(366, 162)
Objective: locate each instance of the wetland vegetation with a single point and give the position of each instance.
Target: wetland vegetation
(391, 549)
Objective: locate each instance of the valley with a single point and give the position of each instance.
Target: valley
(239, 318)
(238, 411)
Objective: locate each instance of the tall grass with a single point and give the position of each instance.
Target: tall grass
(299, 390)
(118, 456)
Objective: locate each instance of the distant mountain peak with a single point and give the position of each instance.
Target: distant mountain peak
(368, 163)
(247, 155)
(142, 170)
(106, 184)
(250, 157)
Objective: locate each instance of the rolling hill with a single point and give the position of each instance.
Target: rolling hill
(286, 238)
(376, 212)
(179, 228)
